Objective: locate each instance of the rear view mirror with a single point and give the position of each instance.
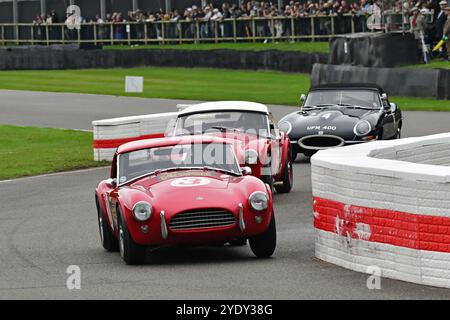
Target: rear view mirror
(302, 98)
(246, 171)
(384, 96)
(111, 183)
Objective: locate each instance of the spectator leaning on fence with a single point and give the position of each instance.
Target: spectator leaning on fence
(211, 18)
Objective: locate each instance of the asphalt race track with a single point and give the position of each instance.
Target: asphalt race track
(48, 223)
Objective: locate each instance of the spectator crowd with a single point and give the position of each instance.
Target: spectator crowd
(425, 18)
(208, 15)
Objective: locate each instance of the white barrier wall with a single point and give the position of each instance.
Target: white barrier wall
(111, 133)
(386, 204)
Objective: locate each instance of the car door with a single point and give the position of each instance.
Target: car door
(397, 117)
(388, 122)
(276, 146)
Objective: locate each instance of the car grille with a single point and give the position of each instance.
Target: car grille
(318, 142)
(201, 219)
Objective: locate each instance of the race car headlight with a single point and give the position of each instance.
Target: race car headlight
(285, 126)
(258, 201)
(362, 128)
(251, 157)
(142, 211)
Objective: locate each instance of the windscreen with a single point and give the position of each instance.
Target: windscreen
(363, 98)
(246, 122)
(139, 163)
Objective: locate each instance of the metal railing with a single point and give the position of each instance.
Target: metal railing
(171, 32)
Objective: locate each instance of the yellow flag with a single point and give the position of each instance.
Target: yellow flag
(439, 44)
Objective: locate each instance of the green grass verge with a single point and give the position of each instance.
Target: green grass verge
(174, 83)
(436, 64)
(421, 104)
(26, 151)
(181, 83)
(317, 47)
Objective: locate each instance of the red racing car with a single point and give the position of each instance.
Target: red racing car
(265, 149)
(182, 191)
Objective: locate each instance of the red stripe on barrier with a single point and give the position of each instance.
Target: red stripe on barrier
(415, 231)
(114, 143)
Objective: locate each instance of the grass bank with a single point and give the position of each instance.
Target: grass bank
(26, 151)
(436, 64)
(191, 84)
(317, 47)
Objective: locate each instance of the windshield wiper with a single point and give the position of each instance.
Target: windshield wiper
(344, 104)
(219, 169)
(350, 106)
(159, 171)
(319, 106)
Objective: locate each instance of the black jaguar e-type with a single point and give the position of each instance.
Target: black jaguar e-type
(334, 115)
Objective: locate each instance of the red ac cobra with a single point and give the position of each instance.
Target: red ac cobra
(182, 191)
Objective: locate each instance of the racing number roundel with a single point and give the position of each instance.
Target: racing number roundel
(190, 182)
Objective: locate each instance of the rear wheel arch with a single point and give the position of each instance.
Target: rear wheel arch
(108, 240)
(101, 205)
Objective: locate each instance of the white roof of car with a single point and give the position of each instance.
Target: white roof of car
(225, 106)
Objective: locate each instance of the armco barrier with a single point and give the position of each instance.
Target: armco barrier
(408, 82)
(373, 49)
(386, 204)
(69, 57)
(111, 133)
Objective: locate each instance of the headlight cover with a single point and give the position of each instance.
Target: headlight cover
(142, 211)
(258, 201)
(362, 128)
(285, 126)
(251, 156)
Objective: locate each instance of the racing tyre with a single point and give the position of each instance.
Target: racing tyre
(269, 181)
(131, 252)
(108, 240)
(294, 154)
(309, 153)
(268, 178)
(288, 178)
(263, 245)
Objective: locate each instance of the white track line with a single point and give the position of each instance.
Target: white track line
(53, 174)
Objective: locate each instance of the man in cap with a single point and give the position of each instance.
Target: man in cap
(417, 22)
(417, 28)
